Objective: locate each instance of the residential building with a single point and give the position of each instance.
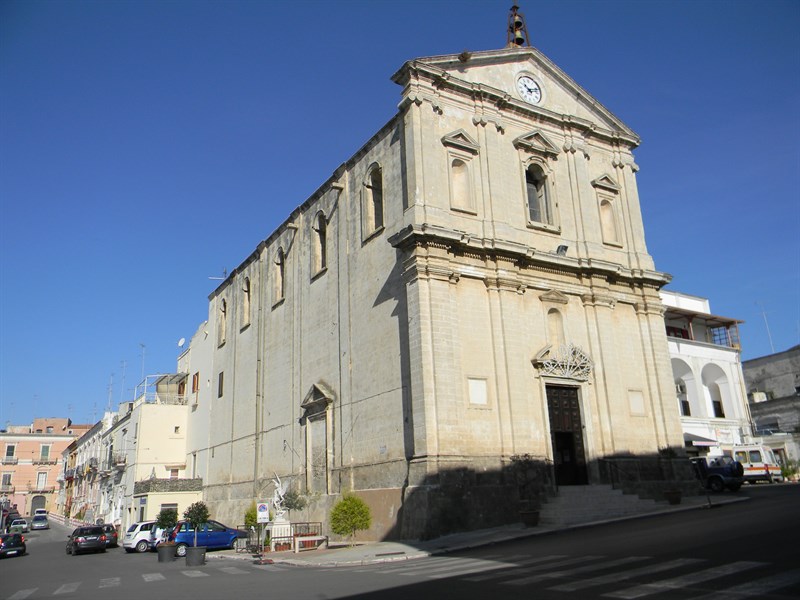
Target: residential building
(773, 388)
(31, 461)
(707, 371)
(144, 467)
(471, 286)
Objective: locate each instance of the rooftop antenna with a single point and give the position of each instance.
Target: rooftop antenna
(224, 275)
(122, 385)
(517, 31)
(766, 324)
(110, 392)
(143, 349)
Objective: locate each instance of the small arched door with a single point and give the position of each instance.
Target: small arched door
(38, 502)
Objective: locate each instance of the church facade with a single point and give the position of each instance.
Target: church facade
(470, 291)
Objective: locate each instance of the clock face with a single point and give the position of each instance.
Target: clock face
(529, 90)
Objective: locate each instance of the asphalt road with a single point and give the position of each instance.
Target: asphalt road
(743, 550)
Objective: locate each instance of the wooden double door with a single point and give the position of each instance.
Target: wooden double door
(566, 433)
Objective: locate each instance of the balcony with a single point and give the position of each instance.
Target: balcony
(10, 460)
(158, 398)
(7, 489)
(41, 489)
(120, 459)
(93, 463)
(45, 460)
(69, 474)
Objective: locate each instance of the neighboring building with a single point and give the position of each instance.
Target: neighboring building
(773, 388)
(30, 462)
(473, 284)
(144, 463)
(707, 373)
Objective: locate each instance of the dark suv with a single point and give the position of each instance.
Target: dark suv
(719, 473)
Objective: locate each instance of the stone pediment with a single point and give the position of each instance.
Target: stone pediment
(536, 142)
(554, 297)
(317, 399)
(607, 182)
(462, 140)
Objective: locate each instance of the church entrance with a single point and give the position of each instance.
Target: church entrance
(566, 433)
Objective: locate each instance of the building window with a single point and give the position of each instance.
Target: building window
(177, 429)
(246, 302)
(220, 383)
(222, 322)
(41, 481)
(373, 202)
(10, 450)
(170, 506)
(196, 382)
(536, 186)
(320, 254)
(49, 429)
(173, 473)
(6, 480)
(280, 276)
(608, 222)
(719, 412)
(44, 452)
(478, 392)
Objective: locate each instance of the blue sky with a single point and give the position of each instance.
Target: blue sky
(146, 146)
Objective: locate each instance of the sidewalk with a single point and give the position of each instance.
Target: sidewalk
(380, 552)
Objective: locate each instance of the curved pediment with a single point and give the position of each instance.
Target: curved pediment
(536, 142)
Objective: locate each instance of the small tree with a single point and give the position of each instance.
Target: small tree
(251, 516)
(293, 500)
(349, 515)
(196, 515)
(166, 519)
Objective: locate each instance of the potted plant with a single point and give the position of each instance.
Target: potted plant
(196, 515)
(166, 520)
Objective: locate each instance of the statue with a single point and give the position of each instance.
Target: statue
(278, 498)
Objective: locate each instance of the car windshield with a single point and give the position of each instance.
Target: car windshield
(40, 518)
(133, 527)
(18, 522)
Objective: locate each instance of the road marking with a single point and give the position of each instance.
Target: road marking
(194, 573)
(110, 582)
(468, 569)
(22, 594)
(67, 588)
(234, 570)
(149, 577)
(684, 580)
(629, 574)
(577, 570)
(525, 566)
(757, 588)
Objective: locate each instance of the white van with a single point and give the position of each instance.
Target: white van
(759, 463)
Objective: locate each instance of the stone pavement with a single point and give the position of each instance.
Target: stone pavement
(379, 552)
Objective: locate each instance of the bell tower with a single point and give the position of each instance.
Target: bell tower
(517, 36)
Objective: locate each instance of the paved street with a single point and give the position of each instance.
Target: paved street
(742, 550)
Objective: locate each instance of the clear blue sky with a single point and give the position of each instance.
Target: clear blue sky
(147, 145)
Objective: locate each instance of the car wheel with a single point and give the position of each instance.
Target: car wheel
(180, 550)
(142, 546)
(716, 485)
(68, 552)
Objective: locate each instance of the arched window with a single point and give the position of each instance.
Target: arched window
(280, 275)
(608, 221)
(373, 201)
(539, 210)
(461, 189)
(246, 302)
(555, 328)
(222, 322)
(320, 255)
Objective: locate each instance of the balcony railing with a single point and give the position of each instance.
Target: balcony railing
(45, 460)
(69, 474)
(120, 459)
(7, 489)
(93, 463)
(41, 489)
(10, 460)
(157, 398)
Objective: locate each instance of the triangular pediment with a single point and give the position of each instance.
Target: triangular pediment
(317, 398)
(462, 140)
(554, 297)
(536, 142)
(607, 182)
(493, 76)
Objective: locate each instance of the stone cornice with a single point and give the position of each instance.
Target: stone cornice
(425, 235)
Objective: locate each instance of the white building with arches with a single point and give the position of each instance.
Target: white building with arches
(707, 370)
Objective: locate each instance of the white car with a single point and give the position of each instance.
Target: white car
(19, 523)
(139, 537)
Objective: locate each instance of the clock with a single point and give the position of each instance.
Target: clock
(529, 90)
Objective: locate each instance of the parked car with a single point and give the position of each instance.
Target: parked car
(40, 522)
(759, 463)
(139, 537)
(86, 539)
(40, 511)
(12, 544)
(211, 535)
(20, 525)
(718, 473)
(112, 537)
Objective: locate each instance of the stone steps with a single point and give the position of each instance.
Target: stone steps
(586, 503)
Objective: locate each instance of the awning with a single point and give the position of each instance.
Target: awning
(697, 440)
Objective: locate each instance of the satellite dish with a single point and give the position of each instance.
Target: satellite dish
(181, 342)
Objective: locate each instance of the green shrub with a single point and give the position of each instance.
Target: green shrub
(167, 518)
(349, 515)
(292, 500)
(251, 516)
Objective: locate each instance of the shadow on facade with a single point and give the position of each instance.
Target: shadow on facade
(463, 499)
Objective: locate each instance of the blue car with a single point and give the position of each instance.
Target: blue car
(210, 535)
